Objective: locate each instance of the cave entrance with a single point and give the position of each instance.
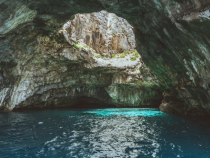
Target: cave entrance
(87, 102)
(107, 44)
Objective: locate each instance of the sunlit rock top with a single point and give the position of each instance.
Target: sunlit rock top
(104, 32)
(107, 39)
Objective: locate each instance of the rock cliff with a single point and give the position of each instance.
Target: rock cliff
(52, 53)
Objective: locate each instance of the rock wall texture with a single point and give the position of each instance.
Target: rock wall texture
(44, 62)
(94, 64)
(102, 31)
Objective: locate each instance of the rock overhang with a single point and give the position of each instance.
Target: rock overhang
(164, 39)
(57, 74)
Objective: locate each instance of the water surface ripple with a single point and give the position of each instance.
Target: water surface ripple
(102, 133)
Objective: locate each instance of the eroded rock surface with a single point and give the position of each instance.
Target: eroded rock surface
(104, 32)
(61, 75)
(172, 40)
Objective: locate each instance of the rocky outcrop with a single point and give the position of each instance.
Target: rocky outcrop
(172, 38)
(104, 32)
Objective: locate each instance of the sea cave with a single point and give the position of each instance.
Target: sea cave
(104, 78)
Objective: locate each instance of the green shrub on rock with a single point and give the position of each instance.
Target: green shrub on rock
(122, 56)
(113, 56)
(133, 58)
(97, 56)
(136, 54)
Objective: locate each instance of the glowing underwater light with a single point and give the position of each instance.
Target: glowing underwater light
(126, 112)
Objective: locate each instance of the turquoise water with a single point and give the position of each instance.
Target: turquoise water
(102, 133)
(125, 112)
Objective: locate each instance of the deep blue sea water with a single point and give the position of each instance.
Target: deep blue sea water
(103, 133)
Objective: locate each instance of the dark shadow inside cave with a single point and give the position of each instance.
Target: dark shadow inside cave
(87, 102)
(84, 102)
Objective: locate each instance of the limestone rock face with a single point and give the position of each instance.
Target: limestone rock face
(104, 32)
(172, 39)
(61, 75)
(107, 39)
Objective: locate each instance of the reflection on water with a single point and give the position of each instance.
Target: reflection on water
(126, 112)
(102, 133)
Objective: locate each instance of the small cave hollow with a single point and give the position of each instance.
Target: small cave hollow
(87, 102)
